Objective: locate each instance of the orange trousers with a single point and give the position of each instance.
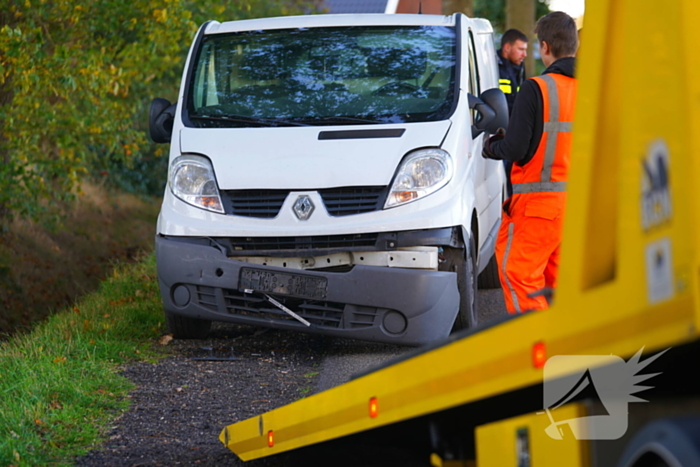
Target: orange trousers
(527, 251)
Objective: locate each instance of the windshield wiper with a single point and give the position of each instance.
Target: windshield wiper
(246, 119)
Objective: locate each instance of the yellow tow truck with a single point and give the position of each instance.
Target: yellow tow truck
(627, 305)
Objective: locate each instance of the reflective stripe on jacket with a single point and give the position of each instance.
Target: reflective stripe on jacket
(511, 77)
(506, 86)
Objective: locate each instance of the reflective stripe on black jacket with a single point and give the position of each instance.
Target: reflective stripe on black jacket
(511, 78)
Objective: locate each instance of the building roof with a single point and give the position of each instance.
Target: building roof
(361, 6)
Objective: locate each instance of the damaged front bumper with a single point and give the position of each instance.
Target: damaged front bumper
(383, 304)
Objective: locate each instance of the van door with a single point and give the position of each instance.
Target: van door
(474, 88)
(487, 64)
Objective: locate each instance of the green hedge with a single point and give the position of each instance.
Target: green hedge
(76, 80)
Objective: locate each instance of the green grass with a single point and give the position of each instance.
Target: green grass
(59, 383)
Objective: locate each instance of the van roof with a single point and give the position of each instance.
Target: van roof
(315, 21)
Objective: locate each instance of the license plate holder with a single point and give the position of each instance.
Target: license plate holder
(283, 283)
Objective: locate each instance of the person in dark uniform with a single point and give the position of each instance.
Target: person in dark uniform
(511, 70)
(510, 64)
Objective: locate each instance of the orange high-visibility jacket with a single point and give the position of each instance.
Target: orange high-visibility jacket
(546, 173)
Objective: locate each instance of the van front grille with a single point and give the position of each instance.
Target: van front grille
(266, 204)
(353, 199)
(320, 242)
(254, 203)
(323, 314)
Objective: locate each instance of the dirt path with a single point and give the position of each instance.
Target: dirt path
(182, 403)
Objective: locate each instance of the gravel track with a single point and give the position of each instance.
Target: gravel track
(182, 403)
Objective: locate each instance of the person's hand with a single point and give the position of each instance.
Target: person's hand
(487, 153)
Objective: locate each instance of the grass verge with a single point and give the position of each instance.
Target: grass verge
(59, 383)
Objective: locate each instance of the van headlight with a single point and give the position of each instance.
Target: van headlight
(192, 180)
(421, 173)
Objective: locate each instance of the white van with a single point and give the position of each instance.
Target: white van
(326, 176)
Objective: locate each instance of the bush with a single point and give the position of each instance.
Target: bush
(76, 80)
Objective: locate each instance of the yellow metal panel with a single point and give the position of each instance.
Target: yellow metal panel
(437, 461)
(595, 99)
(623, 110)
(499, 360)
(624, 284)
(406, 390)
(691, 12)
(496, 443)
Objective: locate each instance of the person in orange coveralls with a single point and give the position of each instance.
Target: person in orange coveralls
(538, 142)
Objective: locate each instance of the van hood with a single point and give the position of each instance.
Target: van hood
(309, 157)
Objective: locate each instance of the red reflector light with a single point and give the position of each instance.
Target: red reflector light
(373, 407)
(270, 438)
(539, 354)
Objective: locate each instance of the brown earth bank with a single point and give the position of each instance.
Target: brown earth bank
(43, 269)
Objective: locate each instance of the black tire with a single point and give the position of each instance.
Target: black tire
(488, 279)
(182, 327)
(464, 264)
(664, 442)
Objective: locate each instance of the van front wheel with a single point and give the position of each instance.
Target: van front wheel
(183, 327)
(488, 279)
(463, 263)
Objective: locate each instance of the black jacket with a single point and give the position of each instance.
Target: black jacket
(527, 121)
(515, 74)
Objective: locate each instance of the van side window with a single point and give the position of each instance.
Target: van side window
(474, 87)
(473, 68)
(205, 90)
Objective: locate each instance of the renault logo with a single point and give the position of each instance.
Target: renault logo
(303, 207)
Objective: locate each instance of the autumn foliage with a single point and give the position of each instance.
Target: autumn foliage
(76, 79)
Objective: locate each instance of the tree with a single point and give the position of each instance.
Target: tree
(76, 78)
(495, 11)
(458, 6)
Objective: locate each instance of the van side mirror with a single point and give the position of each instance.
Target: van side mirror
(160, 120)
(493, 111)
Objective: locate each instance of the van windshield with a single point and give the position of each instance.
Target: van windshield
(324, 76)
